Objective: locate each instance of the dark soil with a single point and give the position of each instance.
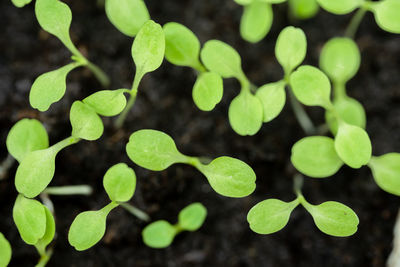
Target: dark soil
(165, 103)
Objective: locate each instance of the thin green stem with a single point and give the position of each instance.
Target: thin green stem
(355, 23)
(64, 143)
(106, 210)
(298, 181)
(69, 190)
(198, 67)
(100, 74)
(301, 115)
(339, 91)
(136, 212)
(44, 257)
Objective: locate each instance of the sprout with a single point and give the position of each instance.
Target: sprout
(160, 234)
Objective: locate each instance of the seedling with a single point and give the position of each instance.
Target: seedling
(55, 17)
(88, 227)
(156, 151)
(160, 234)
(5, 251)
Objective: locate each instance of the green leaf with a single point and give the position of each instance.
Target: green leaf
(340, 7)
(182, 47)
(334, 218)
(230, 177)
(88, 228)
(303, 9)
(349, 110)
(221, 58)
(30, 218)
(153, 150)
(148, 48)
(128, 16)
(159, 234)
(243, 2)
(50, 87)
(272, 97)
(55, 17)
(5, 251)
(86, 124)
(192, 217)
(35, 172)
(291, 48)
(107, 102)
(120, 182)
(256, 21)
(270, 216)
(272, 1)
(386, 172)
(353, 145)
(387, 15)
(25, 136)
(246, 114)
(311, 86)
(50, 230)
(19, 3)
(208, 91)
(315, 156)
(340, 59)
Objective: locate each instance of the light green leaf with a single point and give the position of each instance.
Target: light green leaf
(340, 59)
(153, 150)
(221, 58)
(272, 1)
(340, 7)
(50, 87)
(107, 102)
(315, 156)
(120, 182)
(256, 21)
(246, 114)
(159, 234)
(291, 48)
(50, 230)
(5, 251)
(30, 218)
(387, 15)
(243, 2)
(334, 218)
(192, 217)
(182, 47)
(303, 9)
(272, 97)
(311, 86)
(25, 136)
(349, 110)
(35, 172)
(128, 16)
(353, 145)
(386, 171)
(55, 17)
(88, 228)
(19, 3)
(230, 177)
(86, 124)
(208, 91)
(148, 48)
(270, 216)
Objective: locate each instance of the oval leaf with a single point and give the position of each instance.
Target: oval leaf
(208, 91)
(5, 251)
(159, 234)
(25, 136)
(246, 114)
(315, 156)
(303, 9)
(128, 16)
(340, 7)
(230, 177)
(148, 48)
(291, 48)
(153, 150)
(270, 216)
(311, 86)
(256, 21)
(353, 145)
(273, 98)
(18, 3)
(86, 124)
(386, 171)
(387, 15)
(107, 102)
(30, 218)
(192, 217)
(120, 182)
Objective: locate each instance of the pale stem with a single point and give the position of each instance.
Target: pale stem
(100, 74)
(44, 257)
(394, 257)
(69, 190)
(47, 201)
(339, 90)
(5, 166)
(301, 115)
(355, 23)
(298, 181)
(136, 212)
(64, 143)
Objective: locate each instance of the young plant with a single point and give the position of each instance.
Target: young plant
(55, 17)
(160, 234)
(5, 251)
(156, 151)
(89, 227)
